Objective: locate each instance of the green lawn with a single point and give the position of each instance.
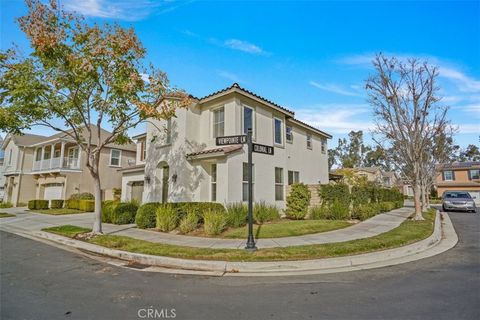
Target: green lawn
(6, 215)
(285, 228)
(58, 212)
(409, 231)
(67, 230)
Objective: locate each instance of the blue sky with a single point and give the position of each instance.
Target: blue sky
(312, 57)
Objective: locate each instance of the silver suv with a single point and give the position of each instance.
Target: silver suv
(458, 200)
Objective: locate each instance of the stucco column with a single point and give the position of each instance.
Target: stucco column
(62, 154)
(52, 150)
(34, 158)
(43, 157)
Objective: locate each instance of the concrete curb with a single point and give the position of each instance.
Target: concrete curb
(442, 239)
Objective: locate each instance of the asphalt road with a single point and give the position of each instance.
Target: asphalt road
(43, 282)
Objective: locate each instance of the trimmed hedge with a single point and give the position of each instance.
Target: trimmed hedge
(107, 210)
(86, 205)
(38, 204)
(146, 215)
(82, 196)
(124, 213)
(298, 201)
(72, 204)
(56, 204)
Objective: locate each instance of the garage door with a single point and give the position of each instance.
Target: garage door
(53, 192)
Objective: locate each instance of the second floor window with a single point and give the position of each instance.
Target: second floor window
(219, 122)
(289, 134)
(10, 157)
(324, 146)
(448, 175)
(143, 150)
(475, 174)
(309, 141)
(247, 119)
(277, 131)
(115, 157)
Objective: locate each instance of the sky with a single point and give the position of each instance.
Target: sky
(312, 57)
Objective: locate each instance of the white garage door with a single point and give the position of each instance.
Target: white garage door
(53, 192)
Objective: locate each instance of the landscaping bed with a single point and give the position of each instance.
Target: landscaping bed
(408, 232)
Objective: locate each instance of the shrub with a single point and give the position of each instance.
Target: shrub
(72, 204)
(334, 192)
(319, 212)
(38, 204)
(5, 205)
(199, 208)
(189, 222)
(298, 201)
(365, 211)
(339, 211)
(263, 212)
(147, 215)
(107, 210)
(56, 204)
(237, 214)
(399, 204)
(214, 222)
(124, 213)
(82, 196)
(167, 218)
(386, 206)
(86, 205)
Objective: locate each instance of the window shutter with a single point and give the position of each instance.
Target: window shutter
(453, 175)
(469, 175)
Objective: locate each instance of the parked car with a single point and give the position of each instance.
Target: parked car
(458, 200)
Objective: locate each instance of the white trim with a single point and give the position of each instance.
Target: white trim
(307, 135)
(119, 158)
(282, 126)
(212, 119)
(291, 133)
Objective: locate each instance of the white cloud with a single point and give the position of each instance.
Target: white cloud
(337, 118)
(464, 82)
(145, 77)
(468, 128)
(230, 76)
(244, 46)
(335, 88)
(129, 10)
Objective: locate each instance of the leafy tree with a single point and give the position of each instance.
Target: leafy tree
(351, 153)
(471, 153)
(78, 75)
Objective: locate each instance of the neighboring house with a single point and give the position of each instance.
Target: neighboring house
(461, 176)
(133, 177)
(183, 163)
(387, 179)
(53, 167)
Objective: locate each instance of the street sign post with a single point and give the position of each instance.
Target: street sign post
(228, 140)
(251, 147)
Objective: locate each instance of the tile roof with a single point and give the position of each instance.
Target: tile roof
(225, 150)
(459, 165)
(236, 86)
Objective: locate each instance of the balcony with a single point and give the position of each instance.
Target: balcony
(58, 155)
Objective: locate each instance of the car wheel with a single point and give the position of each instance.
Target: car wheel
(443, 209)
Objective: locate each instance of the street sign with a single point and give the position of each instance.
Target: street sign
(261, 148)
(228, 140)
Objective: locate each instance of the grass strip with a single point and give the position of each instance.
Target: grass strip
(6, 215)
(58, 212)
(408, 232)
(67, 230)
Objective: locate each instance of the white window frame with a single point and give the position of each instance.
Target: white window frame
(213, 182)
(119, 158)
(324, 145)
(445, 176)
(279, 184)
(295, 177)
(287, 135)
(245, 182)
(309, 141)
(213, 120)
(471, 176)
(281, 131)
(244, 129)
(77, 164)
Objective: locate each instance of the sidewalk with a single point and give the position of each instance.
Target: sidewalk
(26, 221)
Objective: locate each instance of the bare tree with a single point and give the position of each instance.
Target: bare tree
(407, 114)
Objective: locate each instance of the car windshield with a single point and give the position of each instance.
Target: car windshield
(458, 195)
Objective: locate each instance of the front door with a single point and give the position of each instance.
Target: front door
(165, 173)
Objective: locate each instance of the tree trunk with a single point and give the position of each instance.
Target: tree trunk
(417, 194)
(97, 220)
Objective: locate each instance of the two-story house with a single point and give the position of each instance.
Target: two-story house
(182, 162)
(459, 176)
(53, 167)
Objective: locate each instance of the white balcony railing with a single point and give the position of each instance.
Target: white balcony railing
(56, 163)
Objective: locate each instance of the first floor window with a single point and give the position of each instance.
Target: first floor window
(278, 184)
(245, 181)
(293, 177)
(214, 182)
(115, 157)
(448, 175)
(474, 174)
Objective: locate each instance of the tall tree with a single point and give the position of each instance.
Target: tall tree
(351, 153)
(407, 113)
(78, 75)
